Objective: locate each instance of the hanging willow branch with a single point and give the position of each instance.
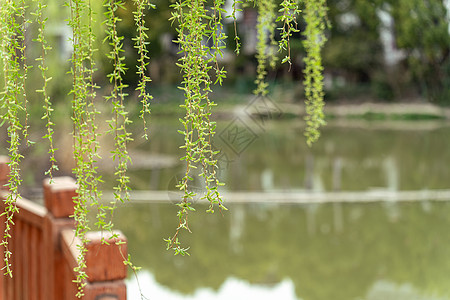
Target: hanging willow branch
(290, 11)
(236, 8)
(199, 25)
(315, 17)
(142, 62)
(23, 61)
(265, 53)
(195, 25)
(82, 134)
(120, 121)
(13, 101)
(41, 39)
(118, 124)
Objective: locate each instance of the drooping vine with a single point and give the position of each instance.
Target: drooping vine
(85, 136)
(215, 33)
(201, 39)
(289, 11)
(265, 53)
(315, 17)
(118, 124)
(93, 145)
(196, 24)
(13, 97)
(41, 39)
(80, 132)
(23, 61)
(236, 9)
(142, 62)
(209, 162)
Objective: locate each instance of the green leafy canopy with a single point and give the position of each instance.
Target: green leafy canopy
(196, 21)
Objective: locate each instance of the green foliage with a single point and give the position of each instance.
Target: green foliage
(201, 40)
(354, 48)
(118, 124)
(420, 37)
(236, 9)
(12, 104)
(195, 24)
(140, 45)
(290, 11)
(265, 53)
(85, 144)
(44, 90)
(422, 30)
(314, 14)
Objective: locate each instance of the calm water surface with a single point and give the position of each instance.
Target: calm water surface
(359, 157)
(376, 251)
(315, 252)
(339, 251)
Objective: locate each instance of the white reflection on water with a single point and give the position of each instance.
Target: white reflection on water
(385, 290)
(238, 289)
(232, 288)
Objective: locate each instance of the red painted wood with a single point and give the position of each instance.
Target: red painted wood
(59, 260)
(70, 288)
(69, 247)
(10, 281)
(30, 212)
(17, 251)
(58, 196)
(43, 247)
(4, 172)
(33, 278)
(25, 260)
(48, 258)
(104, 265)
(109, 290)
(105, 262)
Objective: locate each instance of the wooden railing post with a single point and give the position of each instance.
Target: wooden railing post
(45, 249)
(104, 265)
(58, 198)
(105, 268)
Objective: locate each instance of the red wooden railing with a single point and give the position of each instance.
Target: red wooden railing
(44, 250)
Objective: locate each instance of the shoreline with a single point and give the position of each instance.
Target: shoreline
(275, 110)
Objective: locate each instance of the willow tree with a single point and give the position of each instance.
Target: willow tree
(195, 22)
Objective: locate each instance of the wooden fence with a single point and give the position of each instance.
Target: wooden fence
(44, 251)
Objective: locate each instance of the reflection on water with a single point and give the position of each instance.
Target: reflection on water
(339, 251)
(345, 158)
(329, 251)
(232, 288)
(237, 289)
(390, 291)
(360, 157)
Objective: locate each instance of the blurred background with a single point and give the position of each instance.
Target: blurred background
(377, 50)
(363, 214)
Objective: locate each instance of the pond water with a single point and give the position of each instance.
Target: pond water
(340, 251)
(355, 156)
(313, 252)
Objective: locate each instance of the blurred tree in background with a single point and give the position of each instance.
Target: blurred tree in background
(398, 49)
(423, 33)
(388, 50)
